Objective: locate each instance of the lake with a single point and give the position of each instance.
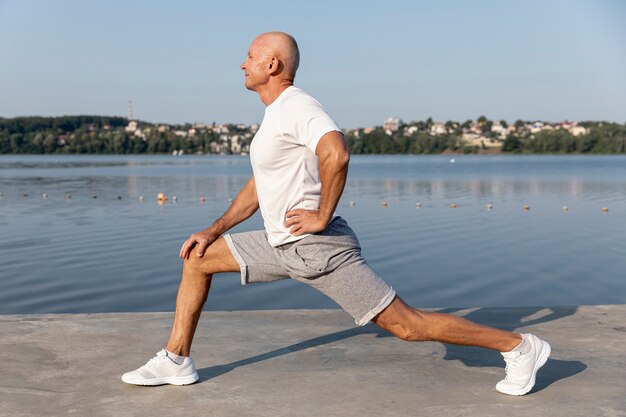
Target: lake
(107, 250)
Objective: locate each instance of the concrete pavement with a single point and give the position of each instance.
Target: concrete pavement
(307, 363)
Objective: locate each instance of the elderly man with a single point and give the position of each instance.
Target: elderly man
(300, 164)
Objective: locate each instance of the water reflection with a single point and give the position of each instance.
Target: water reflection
(481, 189)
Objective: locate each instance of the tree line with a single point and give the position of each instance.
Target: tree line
(94, 135)
(602, 138)
(107, 135)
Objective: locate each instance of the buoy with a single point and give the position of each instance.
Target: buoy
(45, 195)
(119, 197)
(352, 203)
(564, 208)
(489, 206)
(174, 198)
(202, 199)
(68, 196)
(94, 197)
(141, 198)
(384, 203)
(230, 200)
(605, 209)
(1, 195)
(453, 205)
(25, 195)
(418, 205)
(452, 160)
(526, 207)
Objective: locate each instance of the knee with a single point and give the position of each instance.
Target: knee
(405, 322)
(196, 264)
(410, 333)
(412, 328)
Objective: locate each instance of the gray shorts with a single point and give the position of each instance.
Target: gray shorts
(329, 261)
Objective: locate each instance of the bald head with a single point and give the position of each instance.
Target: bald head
(284, 47)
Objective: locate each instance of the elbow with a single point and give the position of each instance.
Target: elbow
(345, 157)
(336, 162)
(341, 158)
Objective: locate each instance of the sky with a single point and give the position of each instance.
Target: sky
(178, 61)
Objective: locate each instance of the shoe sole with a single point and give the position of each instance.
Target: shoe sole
(173, 380)
(543, 358)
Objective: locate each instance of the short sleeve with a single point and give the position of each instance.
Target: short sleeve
(309, 121)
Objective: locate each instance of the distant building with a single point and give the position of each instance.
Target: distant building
(437, 129)
(536, 127)
(476, 139)
(62, 139)
(392, 124)
(354, 132)
(475, 128)
(216, 147)
(132, 126)
(578, 130)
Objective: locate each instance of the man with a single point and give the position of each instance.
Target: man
(300, 164)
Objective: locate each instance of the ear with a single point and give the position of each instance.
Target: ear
(274, 66)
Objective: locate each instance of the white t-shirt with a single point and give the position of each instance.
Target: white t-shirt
(285, 167)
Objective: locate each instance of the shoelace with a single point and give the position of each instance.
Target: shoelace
(160, 357)
(512, 366)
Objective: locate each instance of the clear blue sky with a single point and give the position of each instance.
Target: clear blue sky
(364, 60)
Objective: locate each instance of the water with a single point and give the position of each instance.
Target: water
(106, 254)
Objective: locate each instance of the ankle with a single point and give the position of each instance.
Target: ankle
(515, 342)
(179, 359)
(177, 349)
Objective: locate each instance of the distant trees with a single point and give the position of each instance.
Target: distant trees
(92, 135)
(604, 138)
(108, 135)
(379, 142)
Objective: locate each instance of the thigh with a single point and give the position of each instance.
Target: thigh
(358, 290)
(255, 257)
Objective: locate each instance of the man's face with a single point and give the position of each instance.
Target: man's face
(255, 67)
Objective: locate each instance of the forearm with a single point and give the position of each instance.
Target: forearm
(333, 174)
(245, 205)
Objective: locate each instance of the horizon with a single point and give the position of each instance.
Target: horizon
(445, 60)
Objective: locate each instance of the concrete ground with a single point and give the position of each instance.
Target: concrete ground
(307, 363)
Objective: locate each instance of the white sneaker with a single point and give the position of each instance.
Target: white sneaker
(163, 370)
(521, 368)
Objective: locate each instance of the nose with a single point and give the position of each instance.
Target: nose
(243, 65)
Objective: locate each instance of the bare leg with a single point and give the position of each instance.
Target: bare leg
(411, 324)
(194, 290)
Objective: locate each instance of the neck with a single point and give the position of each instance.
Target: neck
(271, 93)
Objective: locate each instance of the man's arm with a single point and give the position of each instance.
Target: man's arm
(243, 207)
(334, 158)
